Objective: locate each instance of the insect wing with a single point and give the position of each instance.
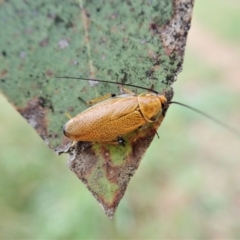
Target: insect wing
(106, 120)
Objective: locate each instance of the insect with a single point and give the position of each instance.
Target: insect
(110, 120)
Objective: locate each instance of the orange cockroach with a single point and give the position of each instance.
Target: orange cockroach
(110, 120)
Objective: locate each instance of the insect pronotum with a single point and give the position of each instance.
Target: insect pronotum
(110, 120)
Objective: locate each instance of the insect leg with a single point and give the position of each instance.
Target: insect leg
(157, 134)
(104, 97)
(118, 141)
(127, 91)
(68, 115)
(121, 141)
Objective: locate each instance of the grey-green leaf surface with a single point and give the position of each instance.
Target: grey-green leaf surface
(136, 42)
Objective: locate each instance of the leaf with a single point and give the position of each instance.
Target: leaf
(140, 43)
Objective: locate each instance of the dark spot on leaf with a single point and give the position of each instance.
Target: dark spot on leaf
(179, 65)
(58, 20)
(123, 47)
(2, 80)
(42, 102)
(4, 53)
(149, 73)
(46, 103)
(125, 76)
(154, 27)
(69, 24)
(168, 79)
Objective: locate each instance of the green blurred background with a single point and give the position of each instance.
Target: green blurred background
(188, 184)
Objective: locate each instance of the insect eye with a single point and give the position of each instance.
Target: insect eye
(164, 105)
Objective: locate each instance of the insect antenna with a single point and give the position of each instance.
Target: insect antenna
(105, 81)
(229, 128)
